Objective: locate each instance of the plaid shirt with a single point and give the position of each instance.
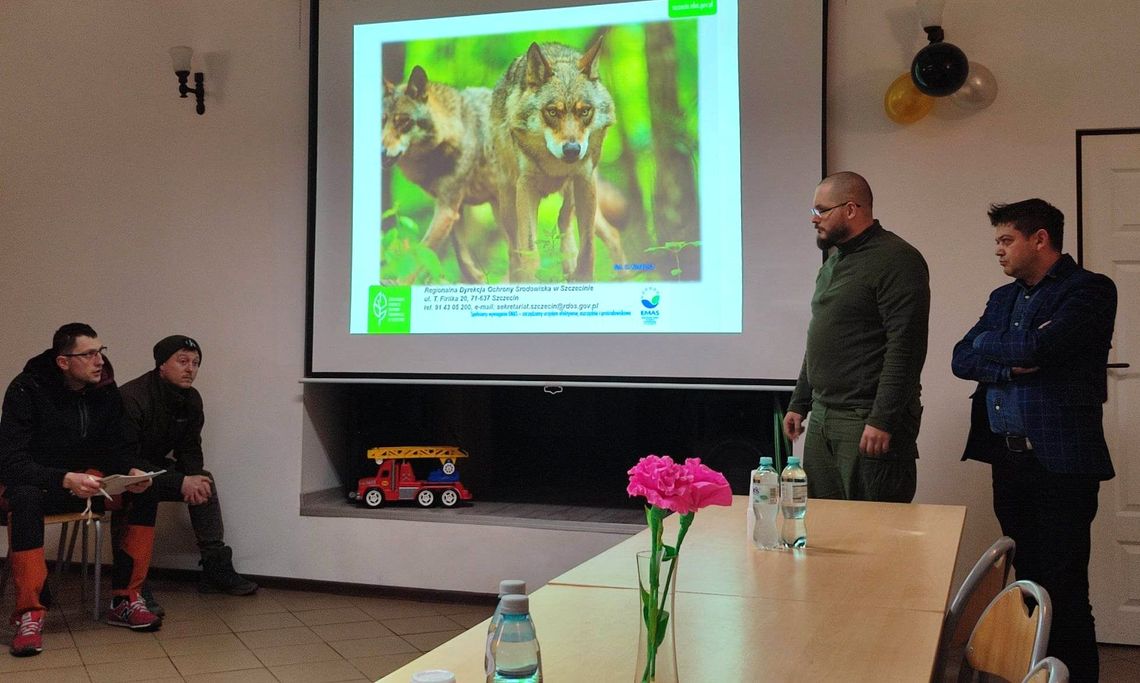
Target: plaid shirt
(1066, 334)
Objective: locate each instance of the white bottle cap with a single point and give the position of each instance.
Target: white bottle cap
(512, 587)
(515, 604)
(433, 676)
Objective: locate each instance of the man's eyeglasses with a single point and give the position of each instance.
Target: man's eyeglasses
(818, 213)
(86, 355)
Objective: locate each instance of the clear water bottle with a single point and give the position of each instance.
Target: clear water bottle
(764, 508)
(793, 504)
(506, 587)
(514, 646)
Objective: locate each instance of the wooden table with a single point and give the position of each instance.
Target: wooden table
(864, 602)
(858, 553)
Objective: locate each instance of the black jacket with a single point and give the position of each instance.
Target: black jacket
(162, 419)
(1067, 336)
(48, 430)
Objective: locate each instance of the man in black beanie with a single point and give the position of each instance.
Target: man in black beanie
(163, 420)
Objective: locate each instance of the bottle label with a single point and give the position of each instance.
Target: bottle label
(794, 493)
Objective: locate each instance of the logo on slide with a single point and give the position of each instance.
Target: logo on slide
(650, 298)
(389, 310)
(380, 306)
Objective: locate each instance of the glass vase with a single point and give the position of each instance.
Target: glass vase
(656, 645)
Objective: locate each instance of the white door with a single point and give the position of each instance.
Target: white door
(1110, 211)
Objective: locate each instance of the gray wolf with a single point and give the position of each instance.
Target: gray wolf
(549, 115)
(438, 136)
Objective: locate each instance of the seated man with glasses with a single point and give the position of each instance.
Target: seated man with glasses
(60, 431)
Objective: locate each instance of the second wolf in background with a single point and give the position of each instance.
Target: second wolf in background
(549, 115)
(438, 136)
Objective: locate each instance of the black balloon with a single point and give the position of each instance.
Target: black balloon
(939, 69)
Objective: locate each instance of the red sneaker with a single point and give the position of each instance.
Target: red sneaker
(132, 613)
(29, 639)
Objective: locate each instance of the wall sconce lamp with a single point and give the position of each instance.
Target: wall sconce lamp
(181, 57)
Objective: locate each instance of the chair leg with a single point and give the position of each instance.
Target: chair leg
(60, 548)
(98, 569)
(83, 566)
(71, 543)
(6, 570)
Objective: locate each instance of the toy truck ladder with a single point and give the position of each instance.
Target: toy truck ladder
(441, 453)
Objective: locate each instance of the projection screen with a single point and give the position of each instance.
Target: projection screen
(560, 192)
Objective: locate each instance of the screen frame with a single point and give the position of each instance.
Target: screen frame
(547, 380)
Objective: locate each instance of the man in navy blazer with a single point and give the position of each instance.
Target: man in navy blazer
(1039, 355)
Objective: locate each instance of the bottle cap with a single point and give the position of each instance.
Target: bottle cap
(512, 587)
(793, 461)
(515, 604)
(765, 460)
(433, 676)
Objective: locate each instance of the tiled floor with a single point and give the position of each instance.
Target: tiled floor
(276, 635)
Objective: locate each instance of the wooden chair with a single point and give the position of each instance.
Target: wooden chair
(989, 575)
(1048, 670)
(1011, 637)
(80, 520)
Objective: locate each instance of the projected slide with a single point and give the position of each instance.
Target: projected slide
(572, 170)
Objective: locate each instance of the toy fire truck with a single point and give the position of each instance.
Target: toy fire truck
(397, 479)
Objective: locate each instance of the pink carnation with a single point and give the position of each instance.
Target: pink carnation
(708, 487)
(680, 488)
(656, 478)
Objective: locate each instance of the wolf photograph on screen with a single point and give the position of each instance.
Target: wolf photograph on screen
(543, 156)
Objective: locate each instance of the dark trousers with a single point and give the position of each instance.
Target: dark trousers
(29, 505)
(205, 519)
(1049, 517)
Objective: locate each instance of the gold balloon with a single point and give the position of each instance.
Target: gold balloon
(904, 103)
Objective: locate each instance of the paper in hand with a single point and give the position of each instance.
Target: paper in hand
(114, 484)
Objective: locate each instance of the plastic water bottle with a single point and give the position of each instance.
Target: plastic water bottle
(765, 504)
(514, 646)
(793, 504)
(506, 587)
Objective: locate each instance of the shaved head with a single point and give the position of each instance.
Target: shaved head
(849, 186)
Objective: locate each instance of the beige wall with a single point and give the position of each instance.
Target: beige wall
(121, 207)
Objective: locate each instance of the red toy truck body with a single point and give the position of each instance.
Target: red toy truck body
(396, 480)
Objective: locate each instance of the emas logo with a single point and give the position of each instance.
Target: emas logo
(650, 299)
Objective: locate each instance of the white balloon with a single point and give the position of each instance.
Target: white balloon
(979, 91)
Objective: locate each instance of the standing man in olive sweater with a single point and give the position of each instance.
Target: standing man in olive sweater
(866, 346)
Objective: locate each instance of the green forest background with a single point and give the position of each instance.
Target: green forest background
(648, 168)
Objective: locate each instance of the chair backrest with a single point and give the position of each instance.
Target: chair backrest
(1048, 670)
(982, 584)
(1010, 636)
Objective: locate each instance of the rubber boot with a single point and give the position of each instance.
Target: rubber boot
(218, 575)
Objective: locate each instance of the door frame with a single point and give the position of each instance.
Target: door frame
(1081, 133)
